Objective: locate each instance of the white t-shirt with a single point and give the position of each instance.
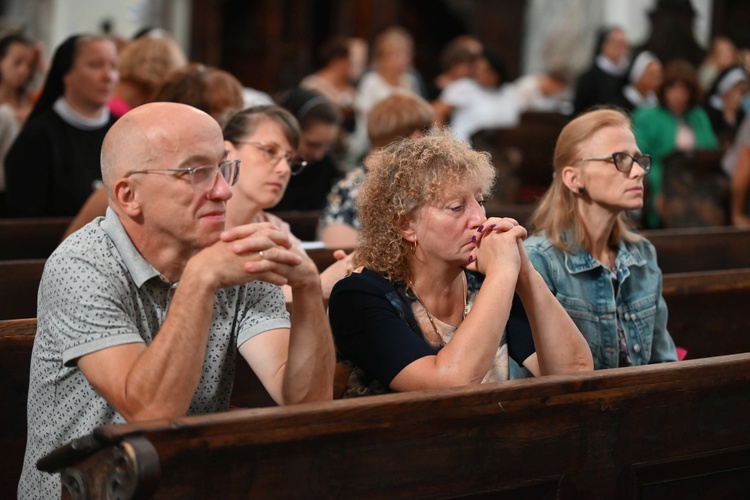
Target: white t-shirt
(477, 108)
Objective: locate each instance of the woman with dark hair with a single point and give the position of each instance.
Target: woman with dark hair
(334, 78)
(16, 67)
(603, 273)
(53, 166)
(678, 123)
(319, 123)
(17, 57)
(603, 81)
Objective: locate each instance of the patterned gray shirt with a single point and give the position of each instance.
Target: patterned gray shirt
(97, 292)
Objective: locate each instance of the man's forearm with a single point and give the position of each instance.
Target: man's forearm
(311, 362)
(163, 380)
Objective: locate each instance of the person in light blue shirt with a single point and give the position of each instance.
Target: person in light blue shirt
(603, 273)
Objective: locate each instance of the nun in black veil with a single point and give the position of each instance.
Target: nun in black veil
(319, 122)
(53, 166)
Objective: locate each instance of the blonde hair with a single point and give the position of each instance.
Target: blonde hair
(557, 215)
(402, 178)
(392, 39)
(147, 61)
(397, 117)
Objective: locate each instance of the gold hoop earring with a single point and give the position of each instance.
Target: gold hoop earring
(414, 246)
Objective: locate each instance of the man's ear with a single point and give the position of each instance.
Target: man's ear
(126, 197)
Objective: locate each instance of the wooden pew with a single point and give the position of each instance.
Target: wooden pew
(709, 311)
(707, 317)
(302, 223)
(696, 190)
(33, 238)
(16, 344)
(16, 341)
(19, 283)
(701, 249)
(676, 430)
(323, 257)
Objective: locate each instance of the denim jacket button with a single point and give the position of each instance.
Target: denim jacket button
(637, 348)
(626, 316)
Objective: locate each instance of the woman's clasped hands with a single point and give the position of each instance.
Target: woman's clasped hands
(499, 246)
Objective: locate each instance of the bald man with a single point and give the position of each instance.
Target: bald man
(141, 312)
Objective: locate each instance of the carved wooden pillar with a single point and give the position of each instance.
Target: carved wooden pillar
(672, 32)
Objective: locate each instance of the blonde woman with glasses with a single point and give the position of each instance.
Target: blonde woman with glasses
(602, 272)
(265, 140)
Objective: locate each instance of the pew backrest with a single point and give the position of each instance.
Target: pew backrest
(16, 342)
(33, 238)
(19, 284)
(709, 311)
(16, 345)
(523, 155)
(664, 431)
(700, 249)
(302, 223)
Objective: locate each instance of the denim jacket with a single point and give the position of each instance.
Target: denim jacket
(584, 287)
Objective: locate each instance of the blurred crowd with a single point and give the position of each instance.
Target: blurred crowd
(54, 118)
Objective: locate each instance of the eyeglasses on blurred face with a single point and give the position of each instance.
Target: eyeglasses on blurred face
(624, 161)
(202, 178)
(273, 154)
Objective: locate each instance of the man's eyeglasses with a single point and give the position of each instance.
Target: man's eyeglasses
(624, 161)
(273, 154)
(202, 178)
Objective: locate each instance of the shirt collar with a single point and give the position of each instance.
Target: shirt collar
(639, 99)
(609, 66)
(77, 120)
(582, 261)
(138, 267)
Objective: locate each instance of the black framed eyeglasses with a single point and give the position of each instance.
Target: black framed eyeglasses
(624, 161)
(202, 178)
(273, 153)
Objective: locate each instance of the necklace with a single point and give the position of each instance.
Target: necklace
(429, 315)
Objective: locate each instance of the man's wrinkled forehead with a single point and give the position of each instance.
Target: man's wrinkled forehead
(188, 145)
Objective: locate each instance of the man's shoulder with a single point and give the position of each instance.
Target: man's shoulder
(90, 246)
(85, 239)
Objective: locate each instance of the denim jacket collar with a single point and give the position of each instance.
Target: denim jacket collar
(581, 260)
